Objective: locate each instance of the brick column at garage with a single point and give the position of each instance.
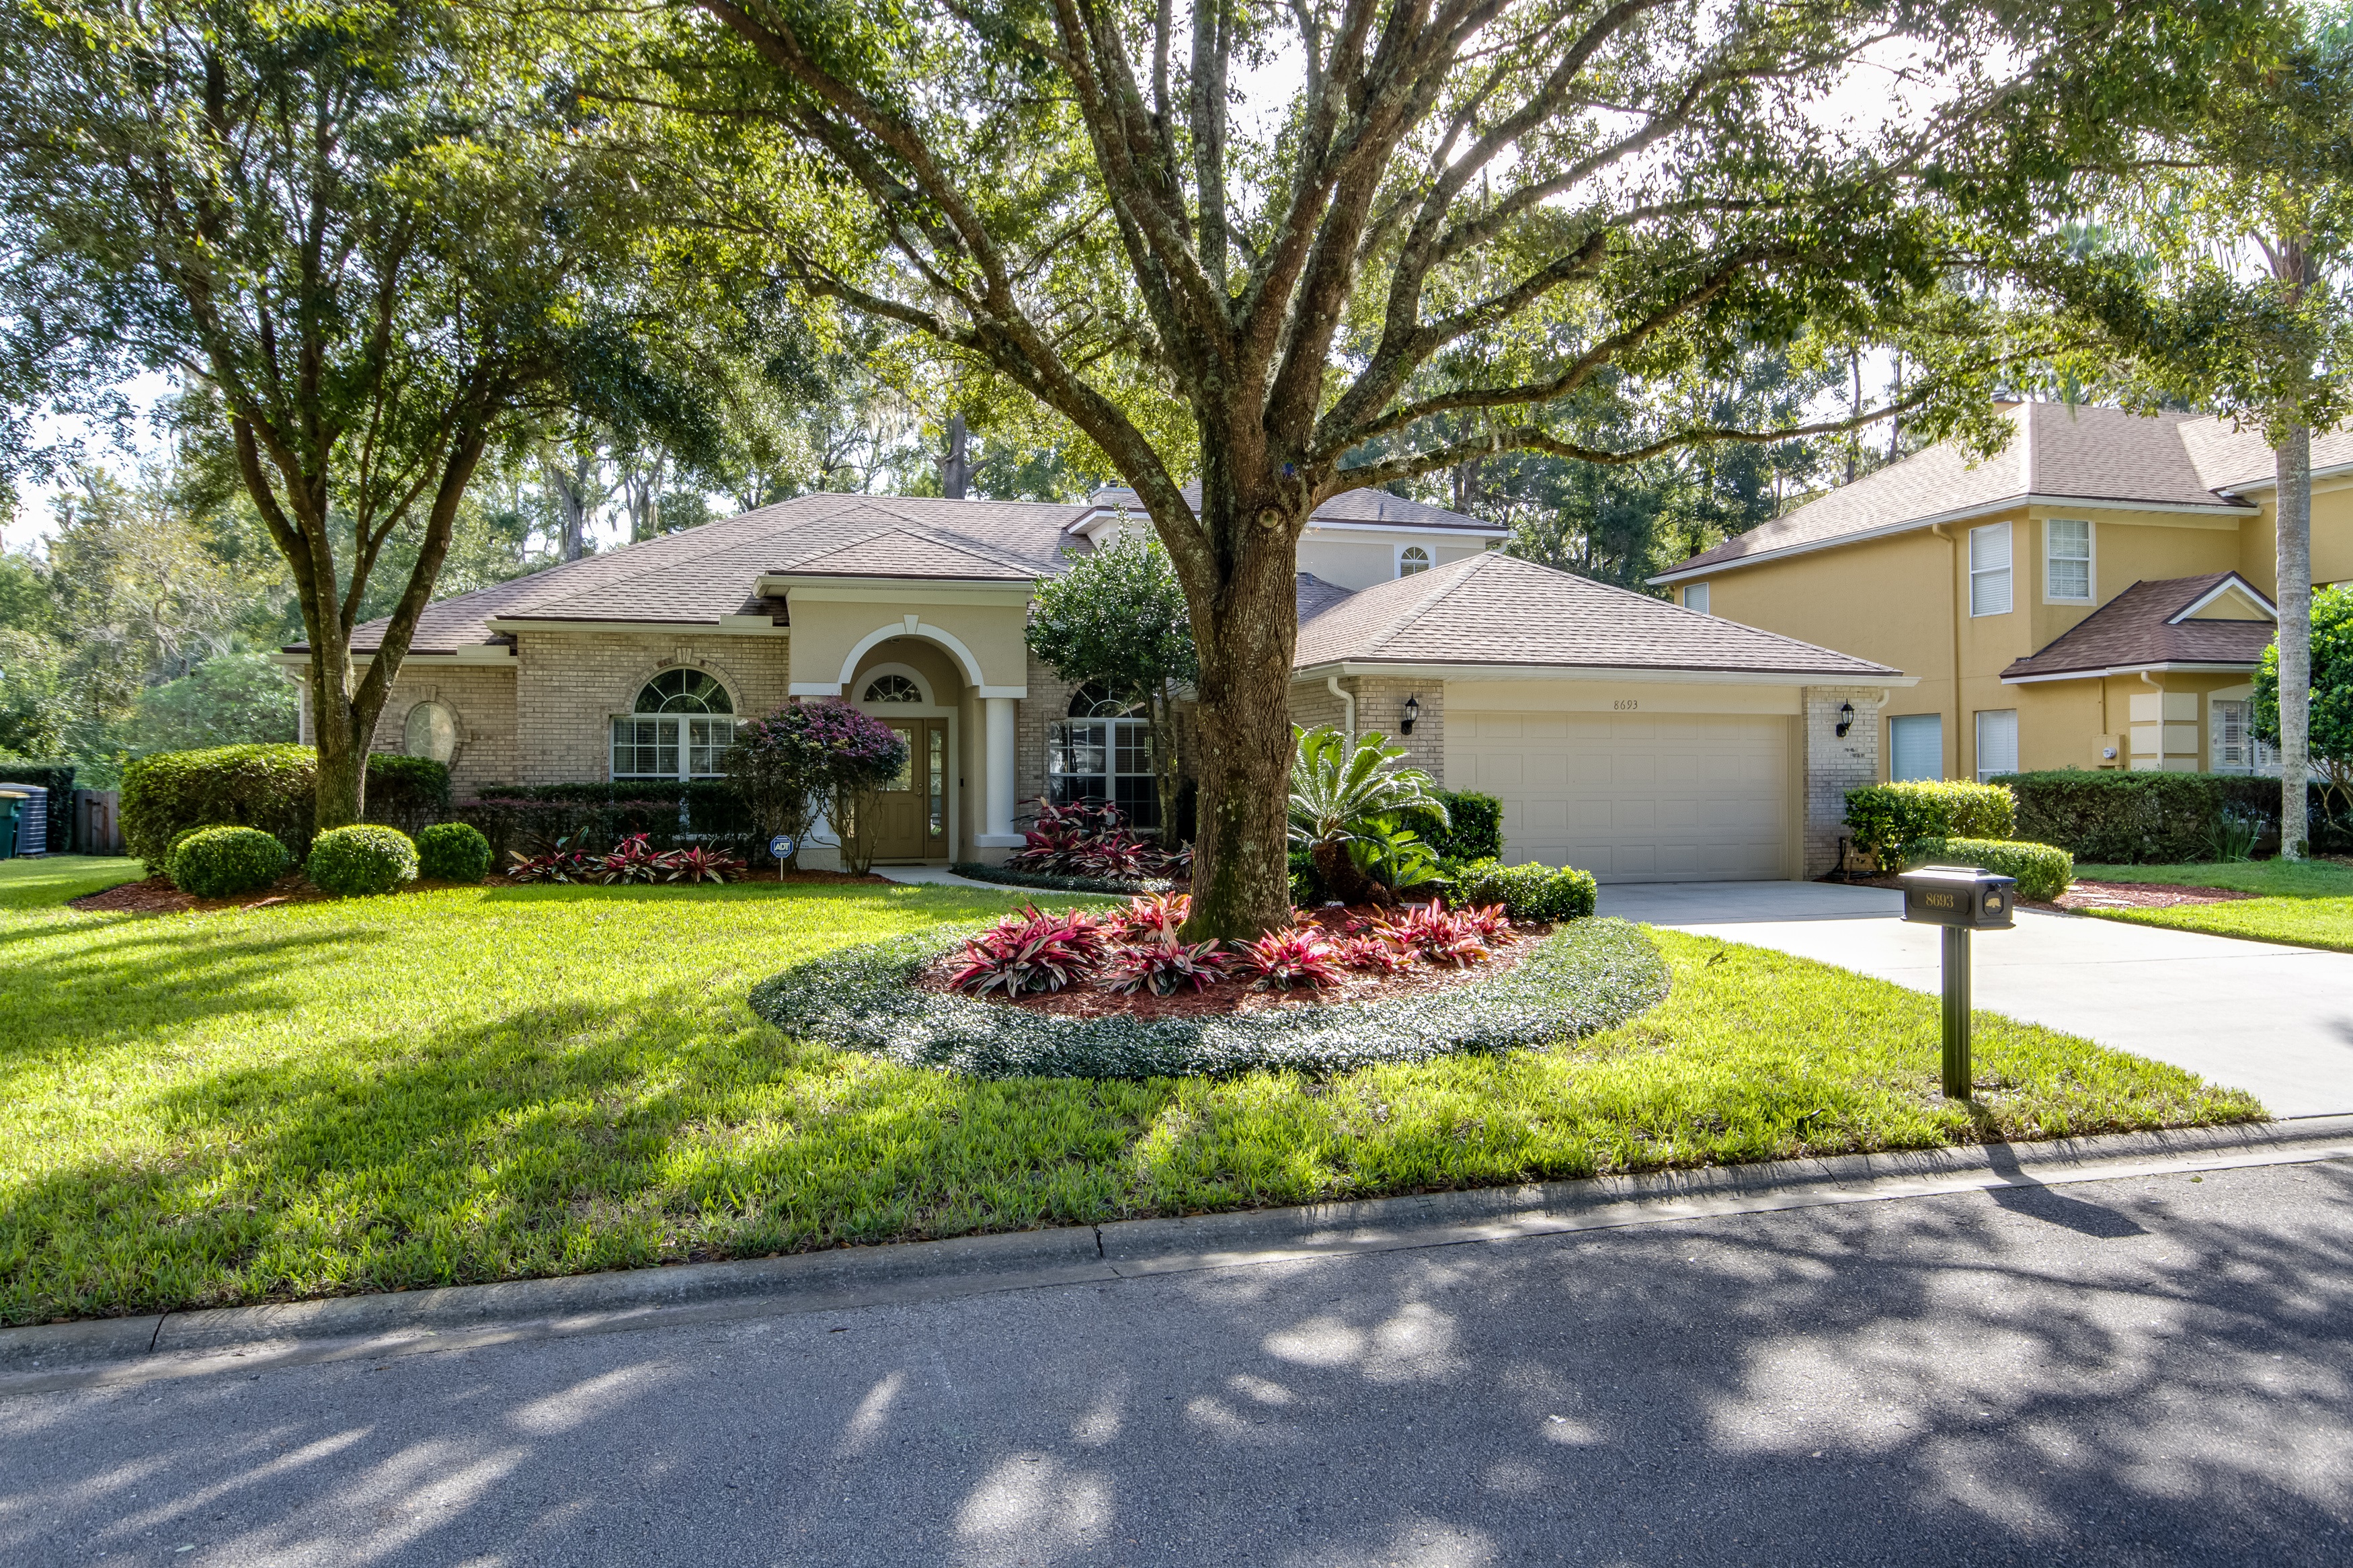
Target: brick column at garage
(1835, 765)
(1380, 707)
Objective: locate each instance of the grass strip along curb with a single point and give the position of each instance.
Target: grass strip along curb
(1584, 977)
(247, 1340)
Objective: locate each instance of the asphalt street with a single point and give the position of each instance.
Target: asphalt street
(2153, 1371)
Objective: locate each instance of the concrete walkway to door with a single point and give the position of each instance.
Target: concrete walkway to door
(2277, 1021)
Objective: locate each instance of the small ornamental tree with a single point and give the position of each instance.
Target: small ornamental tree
(1117, 619)
(810, 756)
(2332, 692)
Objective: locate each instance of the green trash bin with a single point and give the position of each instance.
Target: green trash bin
(12, 801)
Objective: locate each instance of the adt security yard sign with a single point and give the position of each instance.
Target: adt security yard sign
(782, 847)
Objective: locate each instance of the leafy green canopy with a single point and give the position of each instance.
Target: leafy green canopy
(1116, 619)
(2332, 688)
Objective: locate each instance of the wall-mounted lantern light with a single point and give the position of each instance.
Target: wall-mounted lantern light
(1412, 712)
(1846, 719)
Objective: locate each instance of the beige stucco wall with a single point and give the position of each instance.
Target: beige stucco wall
(1903, 601)
(1355, 560)
(569, 684)
(482, 697)
(2332, 536)
(826, 629)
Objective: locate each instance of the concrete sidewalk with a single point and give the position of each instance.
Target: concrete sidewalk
(2277, 1021)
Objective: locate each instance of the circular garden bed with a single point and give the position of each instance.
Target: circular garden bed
(896, 999)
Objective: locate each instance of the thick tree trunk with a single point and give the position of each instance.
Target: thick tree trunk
(2293, 465)
(1160, 714)
(339, 793)
(1242, 857)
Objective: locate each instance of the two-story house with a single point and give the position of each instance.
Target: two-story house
(2097, 594)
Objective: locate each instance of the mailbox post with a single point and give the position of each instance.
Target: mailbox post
(1961, 899)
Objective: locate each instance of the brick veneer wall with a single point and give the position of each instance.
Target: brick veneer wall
(1380, 706)
(482, 697)
(1048, 700)
(568, 685)
(1834, 766)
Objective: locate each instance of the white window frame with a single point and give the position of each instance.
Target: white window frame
(866, 677)
(1696, 597)
(1981, 571)
(2090, 559)
(2256, 757)
(682, 737)
(1916, 720)
(2009, 715)
(1429, 560)
(1121, 735)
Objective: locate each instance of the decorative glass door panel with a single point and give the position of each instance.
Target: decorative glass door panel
(910, 813)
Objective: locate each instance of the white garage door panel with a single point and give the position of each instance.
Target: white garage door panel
(1634, 797)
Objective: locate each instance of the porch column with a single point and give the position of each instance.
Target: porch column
(997, 769)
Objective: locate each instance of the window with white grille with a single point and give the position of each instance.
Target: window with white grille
(2067, 559)
(1989, 570)
(2230, 741)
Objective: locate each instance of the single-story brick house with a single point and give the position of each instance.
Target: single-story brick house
(1635, 737)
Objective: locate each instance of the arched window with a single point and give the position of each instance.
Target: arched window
(1104, 751)
(1413, 558)
(678, 728)
(430, 731)
(891, 689)
(683, 691)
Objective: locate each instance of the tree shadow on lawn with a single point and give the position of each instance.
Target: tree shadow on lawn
(1934, 1381)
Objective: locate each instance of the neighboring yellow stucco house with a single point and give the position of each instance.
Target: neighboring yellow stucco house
(2096, 595)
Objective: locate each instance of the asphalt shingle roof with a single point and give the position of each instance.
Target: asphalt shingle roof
(2085, 454)
(1497, 609)
(2136, 627)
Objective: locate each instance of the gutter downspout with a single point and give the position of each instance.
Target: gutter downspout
(1347, 705)
(1954, 604)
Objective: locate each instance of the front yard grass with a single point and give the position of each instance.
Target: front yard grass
(50, 881)
(2306, 902)
(477, 1084)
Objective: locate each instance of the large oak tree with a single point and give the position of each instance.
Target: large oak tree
(368, 226)
(1294, 250)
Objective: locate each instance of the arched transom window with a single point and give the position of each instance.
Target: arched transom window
(892, 689)
(678, 728)
(1413, 558)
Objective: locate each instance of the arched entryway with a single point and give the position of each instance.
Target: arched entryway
(915, 688)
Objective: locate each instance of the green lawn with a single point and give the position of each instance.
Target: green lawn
(481, 1084)
(50, 881)
(2309, 903)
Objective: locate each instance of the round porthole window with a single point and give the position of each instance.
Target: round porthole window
(431, 732)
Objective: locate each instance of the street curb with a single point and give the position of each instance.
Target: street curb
(246, 1340)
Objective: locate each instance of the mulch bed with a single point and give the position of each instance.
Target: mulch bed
(157, 896)
(2143, 896)
(1230, 995)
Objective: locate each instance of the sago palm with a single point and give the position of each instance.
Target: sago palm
(1337, 789)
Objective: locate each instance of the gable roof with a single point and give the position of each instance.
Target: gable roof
(1494, 609)
(2151, 625)
(2097, 456)
(706, 574)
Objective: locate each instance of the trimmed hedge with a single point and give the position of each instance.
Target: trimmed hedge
(1477, 833)
(1049, 882)
(222, 862)
(511, 822)
(2122, 818)
(271, 787)
(453, 852)
(1529, 892)
(361, 860)
(1584, 977)
(1886, 818)
(2043, 870)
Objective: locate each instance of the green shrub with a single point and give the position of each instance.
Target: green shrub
(1477, 826)
(1886, 818)
(264, 786)
(2119, 817)
(360, 859)
(222, 862)
(453, 852)
(1530, 892)
(2043, 870)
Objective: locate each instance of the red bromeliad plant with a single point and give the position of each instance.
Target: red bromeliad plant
(1284, 959)
(558, 863)
(1438, 935)
(635, 859)
(1030, 952)
(700, 865)
(1371, 953)
(1154, 916)
(1165, 966)
(1090, 839)
(1492, 924)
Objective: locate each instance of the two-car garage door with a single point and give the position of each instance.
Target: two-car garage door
(1634, 797)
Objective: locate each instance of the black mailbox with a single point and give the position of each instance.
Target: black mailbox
(1958, 895)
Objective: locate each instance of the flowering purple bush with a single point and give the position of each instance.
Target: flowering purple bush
(804, 757)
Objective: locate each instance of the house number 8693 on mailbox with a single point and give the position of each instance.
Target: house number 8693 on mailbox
(1962, 900)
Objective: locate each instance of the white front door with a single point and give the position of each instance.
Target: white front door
(1634, 797)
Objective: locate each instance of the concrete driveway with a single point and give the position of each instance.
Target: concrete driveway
(2274, 1020)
